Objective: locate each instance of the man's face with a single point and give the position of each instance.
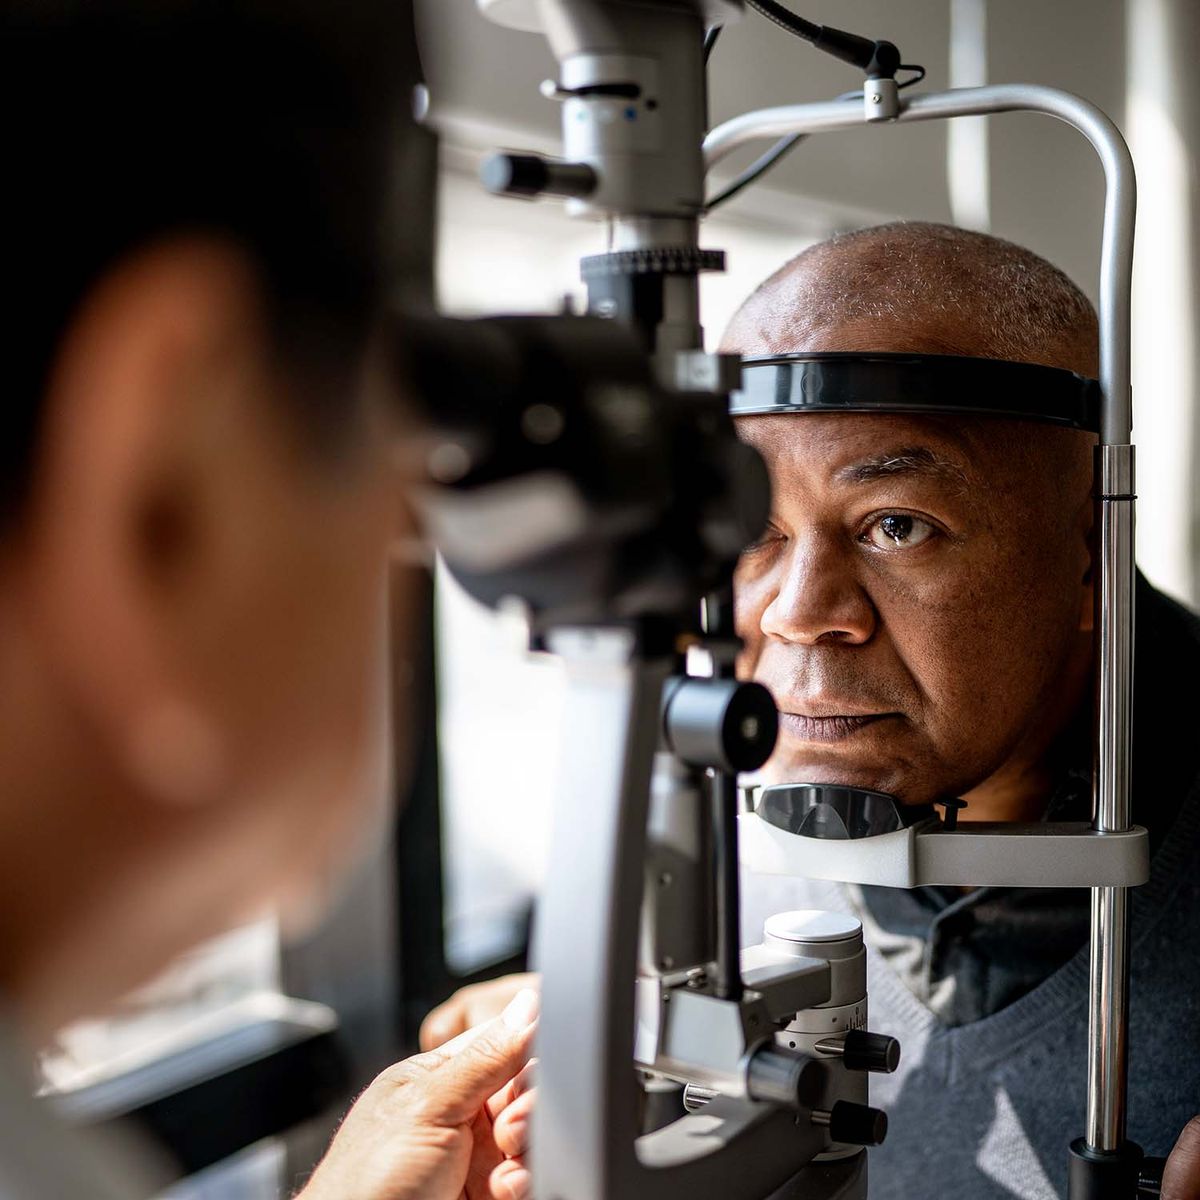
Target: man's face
(916, 602)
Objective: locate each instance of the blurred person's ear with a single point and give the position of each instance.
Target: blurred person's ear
(193, 720)
(147, 510)
(207, 581)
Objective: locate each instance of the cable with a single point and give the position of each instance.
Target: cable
(842, 45)
(786, 19)
(756, 170)
(761, 165)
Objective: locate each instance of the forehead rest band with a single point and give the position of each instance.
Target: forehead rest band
(916, 383)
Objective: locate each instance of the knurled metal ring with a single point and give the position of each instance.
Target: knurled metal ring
(657, 260)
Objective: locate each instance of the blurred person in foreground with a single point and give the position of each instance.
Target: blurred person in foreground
(920, 606)
(197, 497)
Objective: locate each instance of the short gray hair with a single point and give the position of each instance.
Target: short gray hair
(1004, 300)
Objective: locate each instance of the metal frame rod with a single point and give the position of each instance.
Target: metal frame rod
(1116, 258)
(1108, 998)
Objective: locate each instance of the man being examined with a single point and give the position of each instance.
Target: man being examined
(920, 605)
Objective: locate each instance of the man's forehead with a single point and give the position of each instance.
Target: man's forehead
(836, 442)
(913, 330)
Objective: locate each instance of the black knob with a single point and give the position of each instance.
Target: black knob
(719, 723)
(529, 175)
(857, 1124)
(951, 806)
(865, 1051)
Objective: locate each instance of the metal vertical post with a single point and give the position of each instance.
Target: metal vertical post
(1108, 1016)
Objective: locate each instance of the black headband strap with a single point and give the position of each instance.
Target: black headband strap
(916, 383)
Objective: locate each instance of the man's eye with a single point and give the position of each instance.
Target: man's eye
(764, 539)
(897, 531)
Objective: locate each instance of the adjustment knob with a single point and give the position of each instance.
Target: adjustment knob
(853, 1124)
(529, 175)
(777, 1076)
(653, 260)
(719, 723)
(863, 1051)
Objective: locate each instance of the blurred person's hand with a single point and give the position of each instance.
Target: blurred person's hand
(443, 1125)
(471, 1006)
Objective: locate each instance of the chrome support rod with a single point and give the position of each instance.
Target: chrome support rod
(1108, 1018)
(1108, 999)
(1108, 1013)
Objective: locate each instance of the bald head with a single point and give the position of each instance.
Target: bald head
(921, 288)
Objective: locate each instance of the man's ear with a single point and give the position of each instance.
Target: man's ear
(157, 383)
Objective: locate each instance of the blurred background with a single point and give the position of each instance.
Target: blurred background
(451, 901)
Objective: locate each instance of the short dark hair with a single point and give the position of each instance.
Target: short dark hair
(271, 122)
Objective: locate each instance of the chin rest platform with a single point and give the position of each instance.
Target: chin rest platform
(975, 854)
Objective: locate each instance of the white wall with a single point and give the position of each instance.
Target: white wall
(1163, 127)
(1045, 186)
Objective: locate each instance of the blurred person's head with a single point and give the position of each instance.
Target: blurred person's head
(194, 493)
(920, 604)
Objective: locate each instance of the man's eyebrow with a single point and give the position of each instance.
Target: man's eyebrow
(904, 460)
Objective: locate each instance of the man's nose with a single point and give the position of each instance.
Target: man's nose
(819, 600)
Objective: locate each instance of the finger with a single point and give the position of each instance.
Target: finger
(441, 1025)
(481, 1062)
(1181, 1176)
(526, 1080)
(445, 1022)
(433, 1059)
(511, 1128)
(511, 1180)
(485, 1158)
(472, 1006)
(512, 1090)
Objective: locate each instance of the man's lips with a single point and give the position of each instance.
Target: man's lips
(834, 727)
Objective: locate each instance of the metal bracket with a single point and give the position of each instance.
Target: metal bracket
(1047, 854)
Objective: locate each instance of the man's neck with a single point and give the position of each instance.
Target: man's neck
(1024, 786)
(1016, 795)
